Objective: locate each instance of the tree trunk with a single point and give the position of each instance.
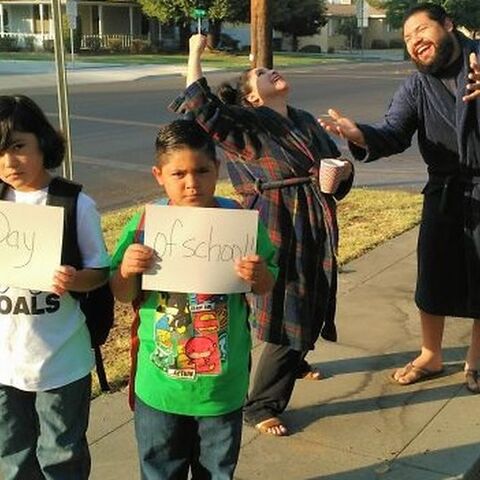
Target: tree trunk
(261, 34)
(214, 31)
(253, 33)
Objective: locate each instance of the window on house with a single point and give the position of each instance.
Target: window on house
(333, 24)
(95, 20)
(46, 11)
(5, 20)
(37, 27)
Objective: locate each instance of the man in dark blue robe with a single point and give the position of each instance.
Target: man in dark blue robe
(441, 102)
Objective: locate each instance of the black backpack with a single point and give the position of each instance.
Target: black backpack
(97, 305)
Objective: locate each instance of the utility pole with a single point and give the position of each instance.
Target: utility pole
(62, 90)
(261, 34)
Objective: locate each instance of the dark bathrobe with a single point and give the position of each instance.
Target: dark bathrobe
(449, 140)
(273, 164)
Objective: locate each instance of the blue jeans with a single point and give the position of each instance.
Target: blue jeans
(43, 434)
(169, 444)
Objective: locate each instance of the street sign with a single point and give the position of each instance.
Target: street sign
(71, 8)
(199, 13)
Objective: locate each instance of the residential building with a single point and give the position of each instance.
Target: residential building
(31, 20)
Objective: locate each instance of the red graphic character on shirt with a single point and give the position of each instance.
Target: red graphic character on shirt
(204, 353)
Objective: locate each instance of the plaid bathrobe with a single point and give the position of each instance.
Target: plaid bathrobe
(273, 164)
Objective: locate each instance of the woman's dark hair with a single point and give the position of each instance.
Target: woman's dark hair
(19, 113)
(183, 134)
(434, 12)
(236, 95)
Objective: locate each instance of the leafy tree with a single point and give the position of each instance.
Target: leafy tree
(465, 13)
(296, 18)
(179, 12)
(396, 9)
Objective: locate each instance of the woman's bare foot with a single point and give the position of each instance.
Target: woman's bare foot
(272, 426)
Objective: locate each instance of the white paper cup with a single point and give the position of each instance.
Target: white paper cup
(332, 172)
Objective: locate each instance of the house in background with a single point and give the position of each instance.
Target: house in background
(374, 31)
(104, 20)
(105, 23)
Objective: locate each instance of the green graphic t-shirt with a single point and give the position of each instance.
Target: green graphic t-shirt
(194, 348)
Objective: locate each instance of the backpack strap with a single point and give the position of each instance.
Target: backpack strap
(136, 304)
(64, 193)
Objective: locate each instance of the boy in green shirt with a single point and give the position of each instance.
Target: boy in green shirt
(192, 364)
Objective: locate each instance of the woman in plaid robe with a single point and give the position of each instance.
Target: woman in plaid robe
(273, 154)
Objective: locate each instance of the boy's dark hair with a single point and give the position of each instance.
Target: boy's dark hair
(434, 12)
(20, 113)
(183, 134)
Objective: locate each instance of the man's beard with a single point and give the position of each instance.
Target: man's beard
(442, 58)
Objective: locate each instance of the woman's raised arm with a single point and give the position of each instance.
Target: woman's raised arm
(197, 46)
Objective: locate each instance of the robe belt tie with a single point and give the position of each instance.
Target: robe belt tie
(261, 186)
(447, 181)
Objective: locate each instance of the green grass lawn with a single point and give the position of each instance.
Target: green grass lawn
(220, 60)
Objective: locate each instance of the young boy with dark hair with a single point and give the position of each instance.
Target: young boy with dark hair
(45, 349)
(194, 422)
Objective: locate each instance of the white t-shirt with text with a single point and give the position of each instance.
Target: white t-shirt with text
(44, 341)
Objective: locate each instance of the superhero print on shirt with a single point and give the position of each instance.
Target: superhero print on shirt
(190, 333)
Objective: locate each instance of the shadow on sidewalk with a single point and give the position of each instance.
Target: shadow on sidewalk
(427, 465)
(386, 361)
(300, 418)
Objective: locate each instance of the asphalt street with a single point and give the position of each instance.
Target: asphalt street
(113, 123)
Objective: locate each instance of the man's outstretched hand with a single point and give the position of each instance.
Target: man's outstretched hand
(343, 127)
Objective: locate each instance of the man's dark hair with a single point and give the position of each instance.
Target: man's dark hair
(182, 134)
(434, 12)
(19, 113)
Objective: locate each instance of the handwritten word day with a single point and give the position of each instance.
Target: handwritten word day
(19, 244)
(30, 244)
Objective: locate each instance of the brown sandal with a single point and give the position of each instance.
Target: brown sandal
(472, 380)
(412, 374)
(272, 426)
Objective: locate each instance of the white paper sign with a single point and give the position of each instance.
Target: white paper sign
(197, 248)
(30, 245)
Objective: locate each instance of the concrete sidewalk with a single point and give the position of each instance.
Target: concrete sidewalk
(356, 424)
(33, 74)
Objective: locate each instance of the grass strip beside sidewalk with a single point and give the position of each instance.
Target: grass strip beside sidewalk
(219, 60)
(367, 218)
